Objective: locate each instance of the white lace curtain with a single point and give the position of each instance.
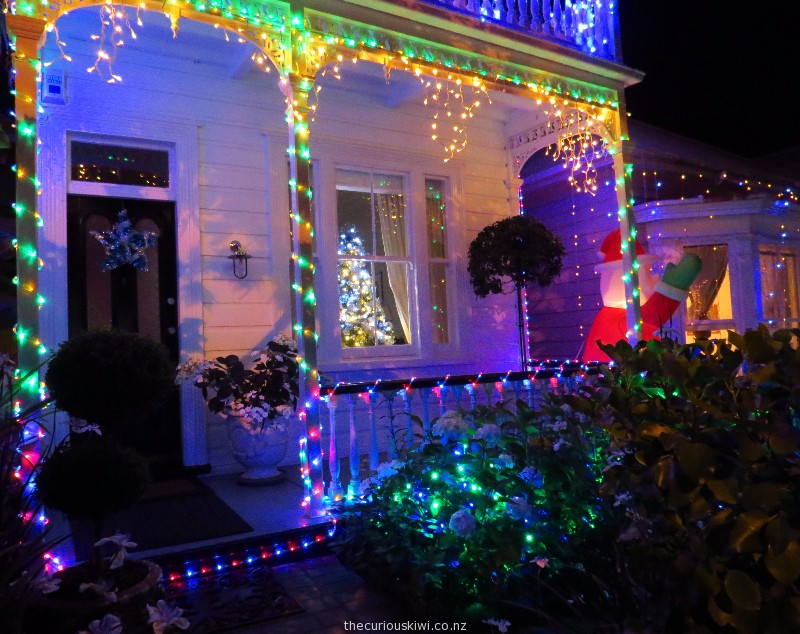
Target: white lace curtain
(391, 215)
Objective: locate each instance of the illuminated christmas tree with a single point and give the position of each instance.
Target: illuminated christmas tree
(361, 313)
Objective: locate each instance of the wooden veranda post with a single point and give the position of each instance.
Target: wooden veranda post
(302, 224)
(627, 228)
(26, 33)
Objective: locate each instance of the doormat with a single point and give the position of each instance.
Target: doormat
(235, 597)
(182, 512)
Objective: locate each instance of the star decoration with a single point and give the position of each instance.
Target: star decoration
(124, 244)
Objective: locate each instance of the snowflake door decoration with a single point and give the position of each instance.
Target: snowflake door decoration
(124, 244)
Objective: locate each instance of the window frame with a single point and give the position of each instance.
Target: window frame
(710, 324)
(776, 249)
(414, 169)
(115, 190)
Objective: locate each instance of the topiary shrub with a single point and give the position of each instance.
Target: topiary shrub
(515, 251)
(110, 378)
(706, 464)
(90, 478)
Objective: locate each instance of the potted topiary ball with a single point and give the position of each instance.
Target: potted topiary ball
(88, 478)
(508, 255)
(109, 378)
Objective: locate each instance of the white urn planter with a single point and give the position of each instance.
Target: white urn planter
(259, 452)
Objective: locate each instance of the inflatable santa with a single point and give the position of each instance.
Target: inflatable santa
(659, 297)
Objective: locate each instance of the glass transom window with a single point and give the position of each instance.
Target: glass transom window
(103, 163)
(373, 262)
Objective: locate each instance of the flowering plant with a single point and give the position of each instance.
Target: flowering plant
(260, 396)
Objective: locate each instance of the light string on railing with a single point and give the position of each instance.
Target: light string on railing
(656, 188)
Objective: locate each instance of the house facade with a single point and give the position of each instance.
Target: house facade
(315, 167)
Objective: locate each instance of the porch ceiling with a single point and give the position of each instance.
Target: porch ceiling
(196, 41)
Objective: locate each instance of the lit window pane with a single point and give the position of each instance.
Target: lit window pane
(100, 163)
(373, 264)
(710, 294)
(778, 288)
(438, 277)
(391, 291)
(435, 218)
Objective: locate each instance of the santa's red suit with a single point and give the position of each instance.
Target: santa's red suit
(659, 299)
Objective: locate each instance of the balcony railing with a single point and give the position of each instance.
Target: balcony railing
(367, 422)
(588, 25)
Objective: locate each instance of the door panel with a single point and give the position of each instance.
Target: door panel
(130, 300)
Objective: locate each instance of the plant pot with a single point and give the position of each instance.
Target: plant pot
(259, 451)
(68, 611)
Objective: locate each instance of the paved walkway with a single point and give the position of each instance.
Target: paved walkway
(331, 596)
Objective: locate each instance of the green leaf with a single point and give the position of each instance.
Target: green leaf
(764, 495)
(742, 590)
(720, 617)
(697, 460)
(745, 531)
(779, 534)
(785, 567)
(726, 490)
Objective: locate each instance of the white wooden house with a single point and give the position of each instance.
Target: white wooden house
(284, 126)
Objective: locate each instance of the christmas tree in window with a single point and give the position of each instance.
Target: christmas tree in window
(361, 315)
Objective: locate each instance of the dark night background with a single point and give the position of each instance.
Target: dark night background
(721, 72)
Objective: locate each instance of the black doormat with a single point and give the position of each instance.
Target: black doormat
(171, 513)
(235, 597)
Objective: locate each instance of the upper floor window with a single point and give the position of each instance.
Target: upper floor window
(119, 165)
(709, 309)
(374, 267)
(779, 301)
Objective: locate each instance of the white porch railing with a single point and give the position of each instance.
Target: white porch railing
(365, 421)
(589, 25)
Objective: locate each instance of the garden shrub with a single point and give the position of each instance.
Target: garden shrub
(486, 501)
(704, 460)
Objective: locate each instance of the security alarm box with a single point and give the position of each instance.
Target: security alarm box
(54, 86)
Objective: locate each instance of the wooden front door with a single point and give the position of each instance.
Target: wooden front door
(129, 299)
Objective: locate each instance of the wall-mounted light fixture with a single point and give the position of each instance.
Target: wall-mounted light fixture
(239, 259)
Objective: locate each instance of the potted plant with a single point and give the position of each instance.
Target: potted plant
(510, 254)
(257, 402)
(108, 382)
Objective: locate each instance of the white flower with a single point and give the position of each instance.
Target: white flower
(367, 486)
(556, 425)
(622, 498)
(501, 624)
(46, 584)
(506, 459)
(449, 423)
(490, 433)
(463, 523)
(122, 542)
(542, 562)
(109, 624)
(518, 508)
(387, 469)
(558, 444)
(532, 475)
(192, 371)
(164, 615)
